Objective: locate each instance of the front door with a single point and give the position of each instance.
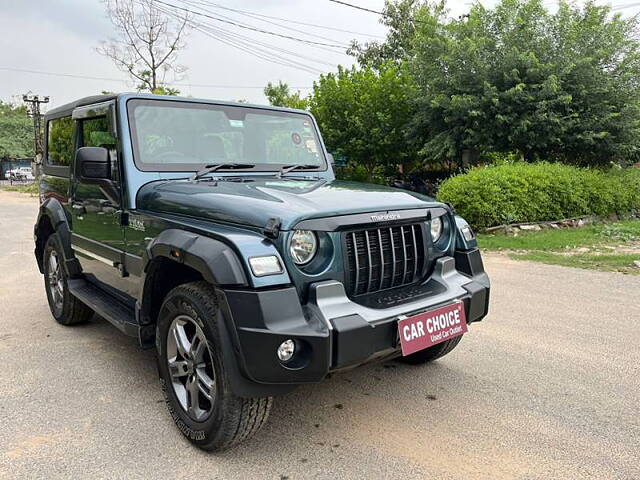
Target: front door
(98, 237)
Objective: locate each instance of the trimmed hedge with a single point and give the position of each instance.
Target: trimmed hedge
(536, 192)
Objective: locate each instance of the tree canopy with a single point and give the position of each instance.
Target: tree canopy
(400, 18)
(519, 78)
(513, 79)
(281, 96)
(16, 132)
(364, 114)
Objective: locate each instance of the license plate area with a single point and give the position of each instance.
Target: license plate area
(429, 328)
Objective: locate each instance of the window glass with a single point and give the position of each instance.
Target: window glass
(191, 135)
(60, 148)
(95, 133)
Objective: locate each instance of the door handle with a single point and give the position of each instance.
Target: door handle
(78, 208)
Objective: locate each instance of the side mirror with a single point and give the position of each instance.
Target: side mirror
(332, 160)
(93, 165)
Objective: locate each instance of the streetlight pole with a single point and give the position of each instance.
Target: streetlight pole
(34, 102)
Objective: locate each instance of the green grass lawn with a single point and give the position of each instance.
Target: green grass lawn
(31, 188)
(607, 246)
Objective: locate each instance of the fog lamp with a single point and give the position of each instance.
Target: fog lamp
(286, 350)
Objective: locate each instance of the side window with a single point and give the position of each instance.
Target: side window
(60, 148)
(96, 133)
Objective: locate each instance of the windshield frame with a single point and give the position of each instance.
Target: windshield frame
(132, 103)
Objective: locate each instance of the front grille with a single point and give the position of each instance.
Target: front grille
(383, 258)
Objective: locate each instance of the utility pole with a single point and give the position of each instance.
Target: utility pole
(33, 105)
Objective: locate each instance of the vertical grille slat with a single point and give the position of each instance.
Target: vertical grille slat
(380, 286)
(393, 257)
(404, 250)
(355, 256)
(383, 258)
(366, 236)
(415, 252)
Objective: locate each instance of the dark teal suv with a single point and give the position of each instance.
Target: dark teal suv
(217, 233)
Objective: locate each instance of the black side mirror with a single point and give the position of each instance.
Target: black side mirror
(93, 164)
(332, 160)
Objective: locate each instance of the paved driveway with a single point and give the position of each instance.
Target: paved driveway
(548, 386)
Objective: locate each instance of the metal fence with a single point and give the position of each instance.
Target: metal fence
(11, 182)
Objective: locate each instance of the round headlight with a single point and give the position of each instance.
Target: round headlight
(303, 246)
(436, 229)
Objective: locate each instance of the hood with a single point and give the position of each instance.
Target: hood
(253, 201)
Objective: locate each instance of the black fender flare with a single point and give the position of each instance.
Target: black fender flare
(218, 264)
(214, 260)
(53, 210)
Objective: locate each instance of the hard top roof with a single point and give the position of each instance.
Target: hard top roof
(67, 108)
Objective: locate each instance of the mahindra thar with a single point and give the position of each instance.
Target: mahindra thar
(217, 233)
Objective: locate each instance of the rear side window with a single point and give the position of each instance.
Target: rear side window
(60, 148)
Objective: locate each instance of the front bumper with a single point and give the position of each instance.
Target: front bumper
(332, 331)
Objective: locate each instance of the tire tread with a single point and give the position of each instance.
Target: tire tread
(74, 311)
(242, 417)
(432, 353)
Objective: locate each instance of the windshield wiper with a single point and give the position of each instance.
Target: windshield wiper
(212, 168)
(298, 166)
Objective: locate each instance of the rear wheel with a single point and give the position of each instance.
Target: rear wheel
(432, 353)
(193, 374)
(65, 308)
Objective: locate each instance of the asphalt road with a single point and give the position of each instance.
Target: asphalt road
(548, 386)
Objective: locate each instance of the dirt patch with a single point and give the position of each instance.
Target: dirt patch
(16, 197)
(627, 249)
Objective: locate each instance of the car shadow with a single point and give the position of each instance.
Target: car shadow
(317, 416)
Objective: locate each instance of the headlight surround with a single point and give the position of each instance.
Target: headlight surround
(303, 246)
(436, 227)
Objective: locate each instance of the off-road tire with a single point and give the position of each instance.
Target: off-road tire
(231, 419)
(69, 311)
(432, 353)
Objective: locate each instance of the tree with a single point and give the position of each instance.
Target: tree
(364, 115)
(16, 132)
(280, 96)
(400, 18)
(147, 43)
(518, 78)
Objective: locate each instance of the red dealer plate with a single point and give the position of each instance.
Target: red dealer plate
(430, 328)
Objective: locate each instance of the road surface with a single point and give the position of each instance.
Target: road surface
(548, 386)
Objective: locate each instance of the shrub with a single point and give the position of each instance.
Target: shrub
(523, 192)
(356, 172)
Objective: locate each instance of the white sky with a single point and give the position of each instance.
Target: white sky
(60, 36)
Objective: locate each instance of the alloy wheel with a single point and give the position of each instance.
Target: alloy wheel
(55, 280)
(191, 368)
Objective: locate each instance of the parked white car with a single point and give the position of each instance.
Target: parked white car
(20, 173)
(27, 173)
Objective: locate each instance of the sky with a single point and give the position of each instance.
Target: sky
(61, 37)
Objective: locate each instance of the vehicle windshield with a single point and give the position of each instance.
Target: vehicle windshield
(185, 136)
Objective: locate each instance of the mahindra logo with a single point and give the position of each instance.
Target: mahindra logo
(385, 217)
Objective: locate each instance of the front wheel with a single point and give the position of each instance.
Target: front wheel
(432, 353)
(193, 374)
